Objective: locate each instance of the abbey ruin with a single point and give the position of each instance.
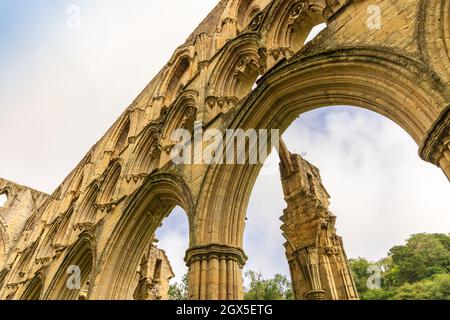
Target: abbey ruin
(246, 66)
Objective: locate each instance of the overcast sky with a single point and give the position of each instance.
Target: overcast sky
(61, 89)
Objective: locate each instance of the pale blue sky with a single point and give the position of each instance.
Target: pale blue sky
(61, 89)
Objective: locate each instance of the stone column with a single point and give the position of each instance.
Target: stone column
(444, 162)
(319, 267)
(215, 272)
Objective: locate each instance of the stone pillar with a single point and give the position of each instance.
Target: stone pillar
(316, 256)
(215, 272)
(444, 162)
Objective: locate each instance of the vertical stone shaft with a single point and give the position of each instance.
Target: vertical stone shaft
(445, 162)
(319, 267)
(215, 272)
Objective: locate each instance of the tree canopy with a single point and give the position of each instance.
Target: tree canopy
(417, 270)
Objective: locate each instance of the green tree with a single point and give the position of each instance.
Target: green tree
(435, 288)
(179, 291)
(423, 256)
(418, 270)
(359, 267)
(277, 288)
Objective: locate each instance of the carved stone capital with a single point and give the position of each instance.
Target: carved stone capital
(218, 251)
(84, 226)
(109, 207)
(221, 102)
(437, 140)
(327, 8)
(256, 22)
(135, 177)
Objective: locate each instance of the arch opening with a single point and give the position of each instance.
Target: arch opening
(73, 280)
(162, 270)
(178, 80)
(304, 84)
(361, 156)
(34, 289)
(135, 232)
(122, 139)
(146, 153)
(3, 199)
(111, 184)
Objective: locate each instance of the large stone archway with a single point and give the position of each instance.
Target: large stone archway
(391, 57)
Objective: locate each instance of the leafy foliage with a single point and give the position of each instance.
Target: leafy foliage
(179, 291)
(418, 270)
(277, 288)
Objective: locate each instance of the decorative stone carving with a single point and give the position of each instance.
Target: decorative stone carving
(327, 8)
(135, 177)
(222, 102)
(84, 226)
(256, 22)
(437, 140)
(168, 149)
(109, 207)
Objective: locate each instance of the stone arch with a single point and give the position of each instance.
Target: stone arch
(111, 184)
(56, 238)
(349, 77)
(122, 138)
(63, 231)
(3, 199)
(178, 77)
(54, 205)
(237, 69)
(145, 154)
(6, 197)
(23, 265)
(34, 289)
(77, 185)
(287, 26)
(246, 10)
(143, 214)
(181, 116)
(87, 211)
(82, 255)
(354, 77)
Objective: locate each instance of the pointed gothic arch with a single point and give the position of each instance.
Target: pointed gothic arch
(122, 138)
(143, 214)
(181, 116)
(246, 10)
(287, 26)
(146, 153)
(111, 184)
(87, 211)
(34, 289)
(237, 69)
(81, 257)
(177, 77)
